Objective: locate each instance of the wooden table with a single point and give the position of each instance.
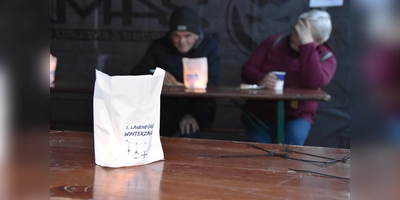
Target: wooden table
(236, 92)
(221, 92)
(192, 170)
(260, 94)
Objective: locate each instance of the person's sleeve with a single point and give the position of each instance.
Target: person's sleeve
(314, 72)
(213, 59)
(147, 63)
(251, 70)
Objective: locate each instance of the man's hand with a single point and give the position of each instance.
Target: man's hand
(186, 123)
(269, 81)
(303, 29)
(170, 80)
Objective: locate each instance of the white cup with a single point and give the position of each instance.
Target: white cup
(281, 80)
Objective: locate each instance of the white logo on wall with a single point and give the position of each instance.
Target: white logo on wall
(250, 22)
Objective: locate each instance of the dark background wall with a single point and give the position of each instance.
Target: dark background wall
(112, 35)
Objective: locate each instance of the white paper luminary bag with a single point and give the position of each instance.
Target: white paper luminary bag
(126, 112)
(195, 73)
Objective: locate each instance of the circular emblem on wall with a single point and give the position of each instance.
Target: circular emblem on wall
(250, 22)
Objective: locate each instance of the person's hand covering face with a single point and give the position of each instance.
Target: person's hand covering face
(301, 34)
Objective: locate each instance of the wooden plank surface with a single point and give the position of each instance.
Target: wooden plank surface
(193, 170)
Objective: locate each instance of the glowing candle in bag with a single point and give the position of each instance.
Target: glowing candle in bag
(195, 73)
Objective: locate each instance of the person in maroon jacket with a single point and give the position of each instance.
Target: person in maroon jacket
(308, 62)
(381, 71)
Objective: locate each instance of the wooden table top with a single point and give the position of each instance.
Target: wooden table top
(192, 170)
(212, 92)
(233, 91)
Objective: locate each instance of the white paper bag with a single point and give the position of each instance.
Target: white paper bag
(5, 103)
(195, 73)
(127, 119)
(53, 66)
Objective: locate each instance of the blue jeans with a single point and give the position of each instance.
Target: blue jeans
(393, 130)
(296, 131)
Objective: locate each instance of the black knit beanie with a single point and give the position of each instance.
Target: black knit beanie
(185, 19)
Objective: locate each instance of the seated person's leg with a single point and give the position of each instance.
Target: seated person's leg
(204, 117)
(256, 132)
(169, 123)
(296, 131)
(189, 126)
(192, 134)
(393, 130)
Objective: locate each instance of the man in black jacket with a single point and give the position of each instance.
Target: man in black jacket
(185, 39)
